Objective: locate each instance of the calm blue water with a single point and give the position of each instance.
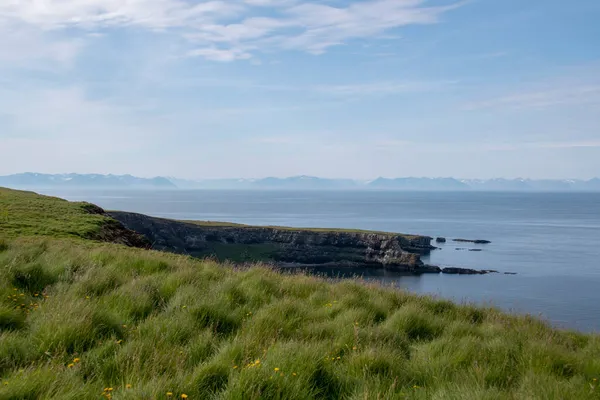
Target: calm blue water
(552, 240)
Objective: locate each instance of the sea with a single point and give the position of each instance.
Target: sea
(550, 240)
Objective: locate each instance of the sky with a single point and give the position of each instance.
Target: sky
(337, 88)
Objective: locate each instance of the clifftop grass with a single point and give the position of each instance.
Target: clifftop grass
(217, 224)
(29, 214)
(89, 320)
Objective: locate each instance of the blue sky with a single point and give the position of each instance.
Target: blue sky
(338, 88)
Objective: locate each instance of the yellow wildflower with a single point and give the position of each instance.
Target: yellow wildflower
(70, 365)
(169, 394)
(294, 374)
(128, 386)
(276, 369)
(184, 396)
(76, 360)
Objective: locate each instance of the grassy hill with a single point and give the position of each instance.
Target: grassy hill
(27, 214)
(84, 319)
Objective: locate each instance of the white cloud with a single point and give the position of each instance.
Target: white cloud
(230, 30)
(578, 95)
(51, 14)
(380, 88)
(67, 115)
(452, 147)
(563, 145)
(21, 44)
(63, 130)
(215, 54)
(575, 86)
(328, 26)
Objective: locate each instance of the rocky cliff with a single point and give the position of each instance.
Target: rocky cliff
(284, 246)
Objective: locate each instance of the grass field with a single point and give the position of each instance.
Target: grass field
(28, 214)
(89, 320)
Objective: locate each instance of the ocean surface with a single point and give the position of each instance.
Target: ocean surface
(551, 240)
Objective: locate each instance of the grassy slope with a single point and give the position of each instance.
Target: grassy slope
(29, 214)
(78, 317)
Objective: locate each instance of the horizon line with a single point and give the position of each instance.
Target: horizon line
(301, 176)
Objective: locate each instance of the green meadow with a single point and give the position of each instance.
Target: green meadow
(83, 318)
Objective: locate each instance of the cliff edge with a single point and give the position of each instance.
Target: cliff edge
(283, 246)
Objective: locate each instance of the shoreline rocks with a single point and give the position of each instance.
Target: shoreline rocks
(467, 271)
(462, 271)
(478, 241)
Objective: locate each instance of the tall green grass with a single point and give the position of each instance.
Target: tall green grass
(78, 319)
(29, 214)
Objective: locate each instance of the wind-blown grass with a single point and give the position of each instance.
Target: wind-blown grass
(76, 319)
(29, 214)
(83, 320)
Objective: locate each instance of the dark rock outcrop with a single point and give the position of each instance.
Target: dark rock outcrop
(467, 271)
(462, 271)
(113, 231)
(479, 241)
(341, 248)
(440, 240)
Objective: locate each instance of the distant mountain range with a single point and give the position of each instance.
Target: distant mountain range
(41, 181)
(95, 181)
(399, 184)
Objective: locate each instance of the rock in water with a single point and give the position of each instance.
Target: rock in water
(479, 241)
(462, 271)
(441, 240)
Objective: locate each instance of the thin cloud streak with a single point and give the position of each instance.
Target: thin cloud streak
(226, 31)
(539, 99)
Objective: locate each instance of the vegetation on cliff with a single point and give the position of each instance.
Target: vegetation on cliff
(83, 319)
(282, 245)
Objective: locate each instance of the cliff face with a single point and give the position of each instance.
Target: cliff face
(114, 232)
(283, 246)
